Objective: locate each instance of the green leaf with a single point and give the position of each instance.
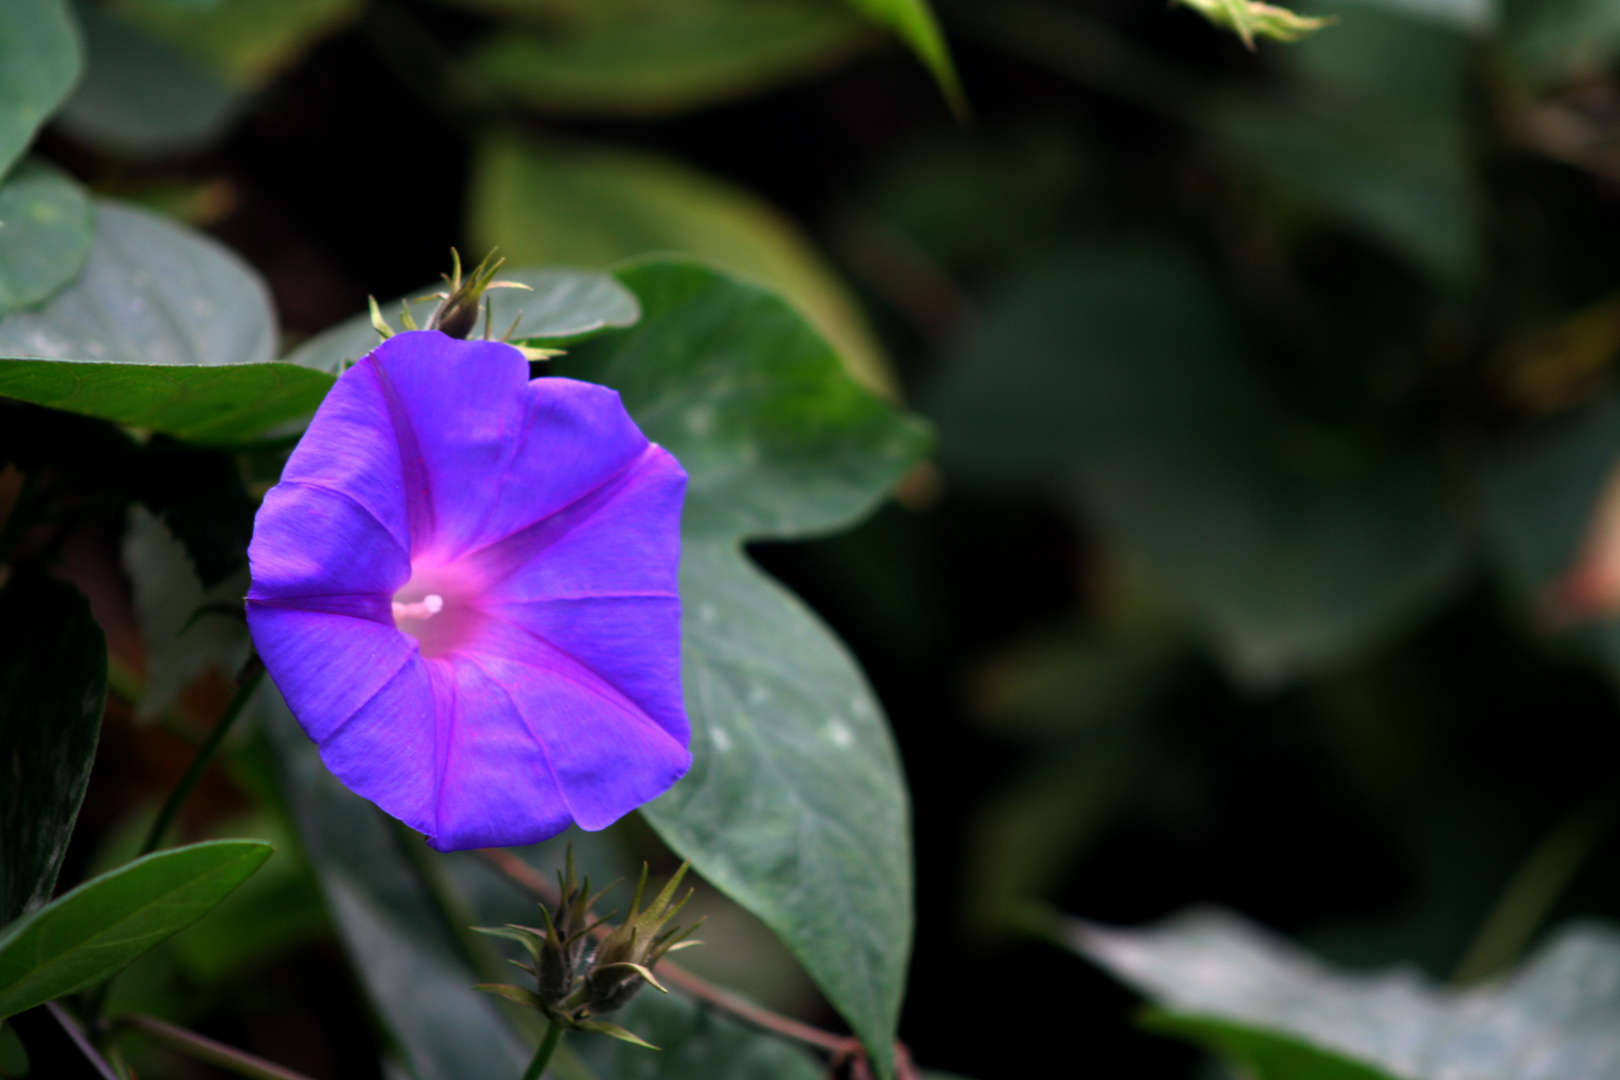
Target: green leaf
(39, 62)
(563, 306)
(1557, 42)
(1122, 376)
(245, 41)
(1475, 16)
(93, 932)
(141, 96)
(1233, 986)
(597, 207)
(165, 330)
(53, 686)
(794, 805)
(651, 59)
(914, 21)
(178, 646)
(44, 234)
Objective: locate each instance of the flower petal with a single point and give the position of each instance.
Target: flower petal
(622, 538)
(327, 666)
(314, 541)
(351, 447)
(386, 750)
(606, 755)
(466, 409)
(494, 784)
(631, 642)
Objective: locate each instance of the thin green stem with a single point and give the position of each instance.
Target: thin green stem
(1524, 905)
(205, 756)
(542, 1056)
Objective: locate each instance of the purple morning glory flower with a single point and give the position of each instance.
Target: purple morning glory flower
(464, 586)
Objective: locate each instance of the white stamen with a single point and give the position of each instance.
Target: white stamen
(429, 606)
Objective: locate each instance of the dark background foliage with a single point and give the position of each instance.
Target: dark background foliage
(1397, 250)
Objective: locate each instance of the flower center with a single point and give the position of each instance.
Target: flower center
(429, 606)
(435, 611)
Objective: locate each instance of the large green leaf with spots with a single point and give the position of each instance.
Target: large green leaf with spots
(794, 805)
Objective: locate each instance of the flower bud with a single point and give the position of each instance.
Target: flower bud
(574, 985)
(623, 963)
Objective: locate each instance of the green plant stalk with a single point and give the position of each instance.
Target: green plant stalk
(542, 1056)
(199, 764)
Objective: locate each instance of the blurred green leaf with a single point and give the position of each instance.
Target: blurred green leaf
(563, 306)
(1026, 837)
(93, 932)
(39, 63)
(44, 234)
(1123, 374)
(178, 645)
(1476, 16)
(245, 41)
(1234, 987)
(1561, 41)
(650, 59)
(53, 686)
(979, 200)
(549, 204)
(141, 96)
(1375, 130)
(794, 805)
(914, 21)
(164, 330)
